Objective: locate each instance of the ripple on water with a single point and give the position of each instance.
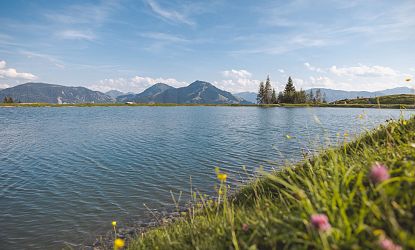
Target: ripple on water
(66, 173)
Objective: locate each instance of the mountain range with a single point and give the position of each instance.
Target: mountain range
(51, 93)
(198, 92)
(146, 96)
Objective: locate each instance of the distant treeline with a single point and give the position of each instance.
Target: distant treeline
(267, 94)
(8, 99)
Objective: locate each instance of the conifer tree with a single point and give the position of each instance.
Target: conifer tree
(280, 97)
(261, 93)
(8, 99)
(324, 98)
(274, 97)
(289, 91)
(290, 85)
(268, 91)
(300, 96)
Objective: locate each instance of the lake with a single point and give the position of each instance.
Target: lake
(66, 173)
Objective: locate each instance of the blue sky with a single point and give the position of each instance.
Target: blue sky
(131, 44)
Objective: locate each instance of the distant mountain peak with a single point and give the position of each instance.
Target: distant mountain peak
(114, 93)
(201, 83)
(196, 92)
(157, 89)
(39, 84)
(160, 84)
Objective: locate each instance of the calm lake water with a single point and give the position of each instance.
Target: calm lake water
(66, 173)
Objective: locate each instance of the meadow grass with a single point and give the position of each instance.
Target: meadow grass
(329, 201)
(408, 99)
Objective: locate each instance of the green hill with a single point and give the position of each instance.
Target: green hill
(388, 99)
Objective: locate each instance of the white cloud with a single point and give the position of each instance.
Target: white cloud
(135, 84)
(322, 82)
(238, 85)
(4, 86)
(363, 70)
(298, 83)
(237, 81)
(12, 73)
(164, 37)
(233, 73)
(360, 77)
(282, 71)
(76, 35)
(170, 15)
(312, 68)
(356, 83)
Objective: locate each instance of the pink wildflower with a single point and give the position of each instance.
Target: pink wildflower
(320, 222)
(387, 244)
(378, 173)
(245, 227)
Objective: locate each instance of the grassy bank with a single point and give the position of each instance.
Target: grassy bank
(403, 99)
(361, 105)
(337, 200)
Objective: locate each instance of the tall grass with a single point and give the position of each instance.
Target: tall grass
(274, 211)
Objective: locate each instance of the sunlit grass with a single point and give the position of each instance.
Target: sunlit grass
(357, 196)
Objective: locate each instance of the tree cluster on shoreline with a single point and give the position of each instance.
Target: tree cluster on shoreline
(8, 99)
(267, 94)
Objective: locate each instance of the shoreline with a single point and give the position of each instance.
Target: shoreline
(133, 229)
(82, 105)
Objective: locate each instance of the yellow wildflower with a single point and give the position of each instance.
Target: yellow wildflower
(114, 223)
(346, 134)
(118, 244)
(378, 232)
(288, 136)
(217, 170)
(222, 176)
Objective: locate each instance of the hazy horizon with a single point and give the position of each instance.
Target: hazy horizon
(241, 92)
